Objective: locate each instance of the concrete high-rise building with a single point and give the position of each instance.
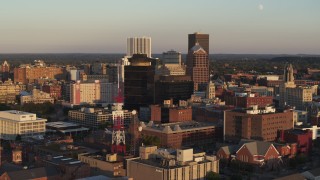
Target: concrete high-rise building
(202, 39)
(291, 94)
(139, 45)
(198, 67)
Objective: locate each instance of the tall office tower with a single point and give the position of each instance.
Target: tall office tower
(139, 82)
(291, 94)
(202, 39)
(198, 67)
(139, 45)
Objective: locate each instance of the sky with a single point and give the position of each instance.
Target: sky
(102, 26)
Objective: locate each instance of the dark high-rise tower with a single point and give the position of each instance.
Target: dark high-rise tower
(202, 39)
(139, 82)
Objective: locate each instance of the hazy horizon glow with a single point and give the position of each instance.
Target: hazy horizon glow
(102, 26)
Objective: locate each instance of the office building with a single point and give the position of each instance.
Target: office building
(139, 81)
(13, 123)
(173, 87)
(139, 45)
(95, 117)
(255, 123)
(93, 92)
(202, 39)
(198, 67)
(166, 164)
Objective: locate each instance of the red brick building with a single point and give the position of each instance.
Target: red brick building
(257, 124)
(248, 100)
(182, 134)
(29, 73)
(170, 114)
(198, 67)
(256, 152)
(303, 139)
(54, 90)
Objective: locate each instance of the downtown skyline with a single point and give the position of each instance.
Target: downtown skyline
(250, 26)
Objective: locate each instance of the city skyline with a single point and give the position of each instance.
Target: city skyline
(253, 27)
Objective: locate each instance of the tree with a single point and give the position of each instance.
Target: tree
(151, 140)
(212, 176)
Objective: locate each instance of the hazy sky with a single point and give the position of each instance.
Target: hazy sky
(102, 26)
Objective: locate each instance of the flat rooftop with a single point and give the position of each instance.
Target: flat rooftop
(177, 126)
(14, 115)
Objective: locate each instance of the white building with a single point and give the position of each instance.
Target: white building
(13, 123)
(139, 45)
(75, 74)
(93, 92)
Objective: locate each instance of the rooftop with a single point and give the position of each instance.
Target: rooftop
(14, 115)
(176, 127)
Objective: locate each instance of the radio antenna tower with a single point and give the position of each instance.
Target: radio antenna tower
(118, 134)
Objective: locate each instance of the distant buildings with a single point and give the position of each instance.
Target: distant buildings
(171, 64)
(36, 97)
(198, 67)
(29, 73)
(139, 45)
(258, 124)
(13, 123)
(166, 164)
(5, 71)
(9, 91)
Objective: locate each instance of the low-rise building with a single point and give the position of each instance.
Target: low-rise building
(37, 97)
(103, 165)
(163, 164)
(95, 117)
(13, 123)
(182, 134)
